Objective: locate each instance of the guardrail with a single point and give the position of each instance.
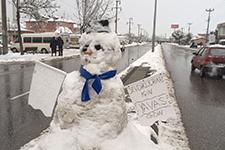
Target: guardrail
(174, 46)
(131, 54)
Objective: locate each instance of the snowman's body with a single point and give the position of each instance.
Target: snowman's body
(105, 114)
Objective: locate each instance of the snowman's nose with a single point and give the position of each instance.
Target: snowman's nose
(88, 52)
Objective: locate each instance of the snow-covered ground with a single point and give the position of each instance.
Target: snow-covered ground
(16, 57)
(171, 134)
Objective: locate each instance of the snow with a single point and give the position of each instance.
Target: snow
(62, 29)
(100, 123)
(16, 57)
(103, 123)
(134, 136)
(153, 60)
(216, 46)
(168, 132)
(171, 134)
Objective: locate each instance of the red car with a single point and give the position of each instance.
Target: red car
(209, 60)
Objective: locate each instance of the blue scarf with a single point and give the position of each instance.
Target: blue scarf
(96, 85)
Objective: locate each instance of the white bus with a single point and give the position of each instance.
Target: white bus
(35, 42)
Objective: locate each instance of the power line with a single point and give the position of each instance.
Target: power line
(139, 29)
(130, 22)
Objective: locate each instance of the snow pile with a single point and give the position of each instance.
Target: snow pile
(171, 133)
(16, 57)
(153, 60)
(62, 29)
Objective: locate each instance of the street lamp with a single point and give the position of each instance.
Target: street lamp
(154, 26)
(189, 27)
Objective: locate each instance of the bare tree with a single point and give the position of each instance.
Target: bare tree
(89, 10)
(36, 9)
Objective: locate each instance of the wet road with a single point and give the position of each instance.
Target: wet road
(19, 122)
(202, 101)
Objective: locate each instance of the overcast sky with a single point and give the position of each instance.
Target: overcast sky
(169, 11)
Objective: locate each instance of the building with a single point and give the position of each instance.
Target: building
(13, 33)
(220, 31)
(51, 25)
(200, 39)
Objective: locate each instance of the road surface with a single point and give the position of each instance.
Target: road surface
(201, 101)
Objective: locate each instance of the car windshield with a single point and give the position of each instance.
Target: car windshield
(218, 52)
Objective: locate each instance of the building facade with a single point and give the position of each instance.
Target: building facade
(51, 25)
(221, 31)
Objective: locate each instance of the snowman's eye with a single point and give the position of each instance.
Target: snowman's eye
(98, 47)
(85, 48)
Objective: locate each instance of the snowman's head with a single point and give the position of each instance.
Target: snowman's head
(98, 45)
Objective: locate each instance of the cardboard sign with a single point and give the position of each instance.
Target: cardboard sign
(45, 87)
(151, 99)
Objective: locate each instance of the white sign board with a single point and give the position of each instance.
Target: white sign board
(151, 99)
(45, 87)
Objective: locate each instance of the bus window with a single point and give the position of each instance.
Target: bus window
(47, 39)
(37, 40)
(27, 39)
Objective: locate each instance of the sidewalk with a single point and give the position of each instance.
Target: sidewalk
(11, 58)
(172, 132)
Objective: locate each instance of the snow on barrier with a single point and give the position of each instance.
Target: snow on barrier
(171, 131)
(183, 47)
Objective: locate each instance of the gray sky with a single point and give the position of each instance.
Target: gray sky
(173, 11)
(169, 11)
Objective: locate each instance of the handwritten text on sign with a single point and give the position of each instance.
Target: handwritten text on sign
(151, 99)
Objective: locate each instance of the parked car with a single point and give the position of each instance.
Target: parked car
(222, 42)
(209, 59)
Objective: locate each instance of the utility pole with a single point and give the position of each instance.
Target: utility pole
(130, 22)
(189, 28)
(208, 21)
(139, 29)
(118, 2)
(154, 26)
(182, 30)
(4, 28)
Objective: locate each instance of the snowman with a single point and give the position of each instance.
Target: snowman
(93, 98)
(91, 110)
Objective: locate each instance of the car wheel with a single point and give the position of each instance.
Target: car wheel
(14, 50)
(193, 67)
(202, 72)
(44, 50)
(220, 76)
